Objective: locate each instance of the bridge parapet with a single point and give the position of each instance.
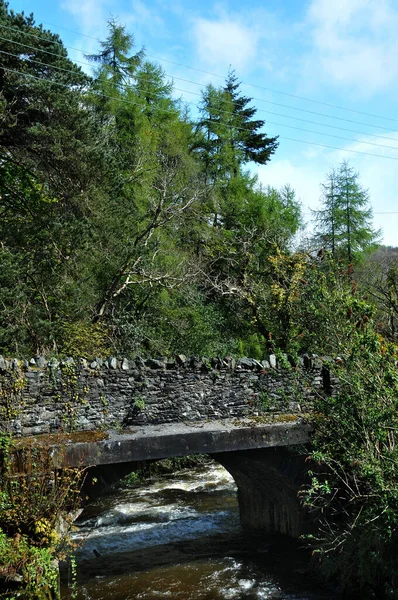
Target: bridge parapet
(77, 395)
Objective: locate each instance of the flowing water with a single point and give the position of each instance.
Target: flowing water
(179, 538)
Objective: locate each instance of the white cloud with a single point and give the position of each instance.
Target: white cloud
(140, 18)
(225, 42)
(354, 43)
(378, 175)
(303, 176)
(90, 14)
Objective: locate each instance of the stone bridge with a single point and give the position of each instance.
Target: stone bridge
(266, 460)
(248, 415)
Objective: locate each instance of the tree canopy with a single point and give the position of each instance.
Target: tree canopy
(130, 227)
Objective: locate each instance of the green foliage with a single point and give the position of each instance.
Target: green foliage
(139, 403)
(252, 345)
(34, 566)
(377, 277)
(164, 467)
(119, 215)
(34, 499)
(354, 488)
(11, 385)
(50, 157)
(344, 222)
(115, 67)
(264, 401)
(85, 340)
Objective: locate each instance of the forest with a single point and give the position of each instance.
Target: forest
(130, 227)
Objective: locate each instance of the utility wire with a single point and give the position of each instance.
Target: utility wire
(229, 113)
(196, 83)
(245, 83)
(376, 135)
(124, 101)
(260, 111)
(389, 212)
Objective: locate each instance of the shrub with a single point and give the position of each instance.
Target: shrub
(354, 484)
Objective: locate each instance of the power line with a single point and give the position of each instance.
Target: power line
(339, 137)
(378, 136)
(388, 212)
(196, 83)
(297, 118)
(229, 113)
(245, 83)
(223, 101)
(283, 137)
(231, 126)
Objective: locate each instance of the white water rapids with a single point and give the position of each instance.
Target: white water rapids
(179, 538)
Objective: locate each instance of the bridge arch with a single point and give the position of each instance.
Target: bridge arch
(267, 480)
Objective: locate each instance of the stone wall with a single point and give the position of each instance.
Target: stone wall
(46, 397)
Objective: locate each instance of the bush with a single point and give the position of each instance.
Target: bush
(354, 483)
(35, 499)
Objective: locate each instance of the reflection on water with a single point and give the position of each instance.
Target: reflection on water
(180, 538)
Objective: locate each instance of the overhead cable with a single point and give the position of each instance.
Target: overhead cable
(330, 105)
(255, 99)
(125, 101)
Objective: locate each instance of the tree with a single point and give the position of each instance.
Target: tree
(378, 279)
(152, 182)
(344, 221)
(254, 145)
(228, 138)
(115, 65)
(237, 268)
(51, 156)
(326, 218)
(354, 490)
(229, 131)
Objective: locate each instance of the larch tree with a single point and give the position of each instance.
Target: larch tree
(344, 222)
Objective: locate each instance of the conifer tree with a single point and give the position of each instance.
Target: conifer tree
(344, 221)
(230, 135)
(114, 62)
(254, 145)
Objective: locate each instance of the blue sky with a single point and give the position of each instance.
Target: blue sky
(342, 53)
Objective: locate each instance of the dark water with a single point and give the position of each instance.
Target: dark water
(180, 538)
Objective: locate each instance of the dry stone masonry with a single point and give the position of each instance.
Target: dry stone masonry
(80, 395)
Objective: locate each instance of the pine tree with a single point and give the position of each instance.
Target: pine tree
(344, 221)
(228, 139)
(255, 146)
(230, 135)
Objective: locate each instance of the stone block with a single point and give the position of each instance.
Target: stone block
(152, 363)
(125, 366)
(245, 363)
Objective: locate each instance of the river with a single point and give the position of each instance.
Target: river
(179, 538)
